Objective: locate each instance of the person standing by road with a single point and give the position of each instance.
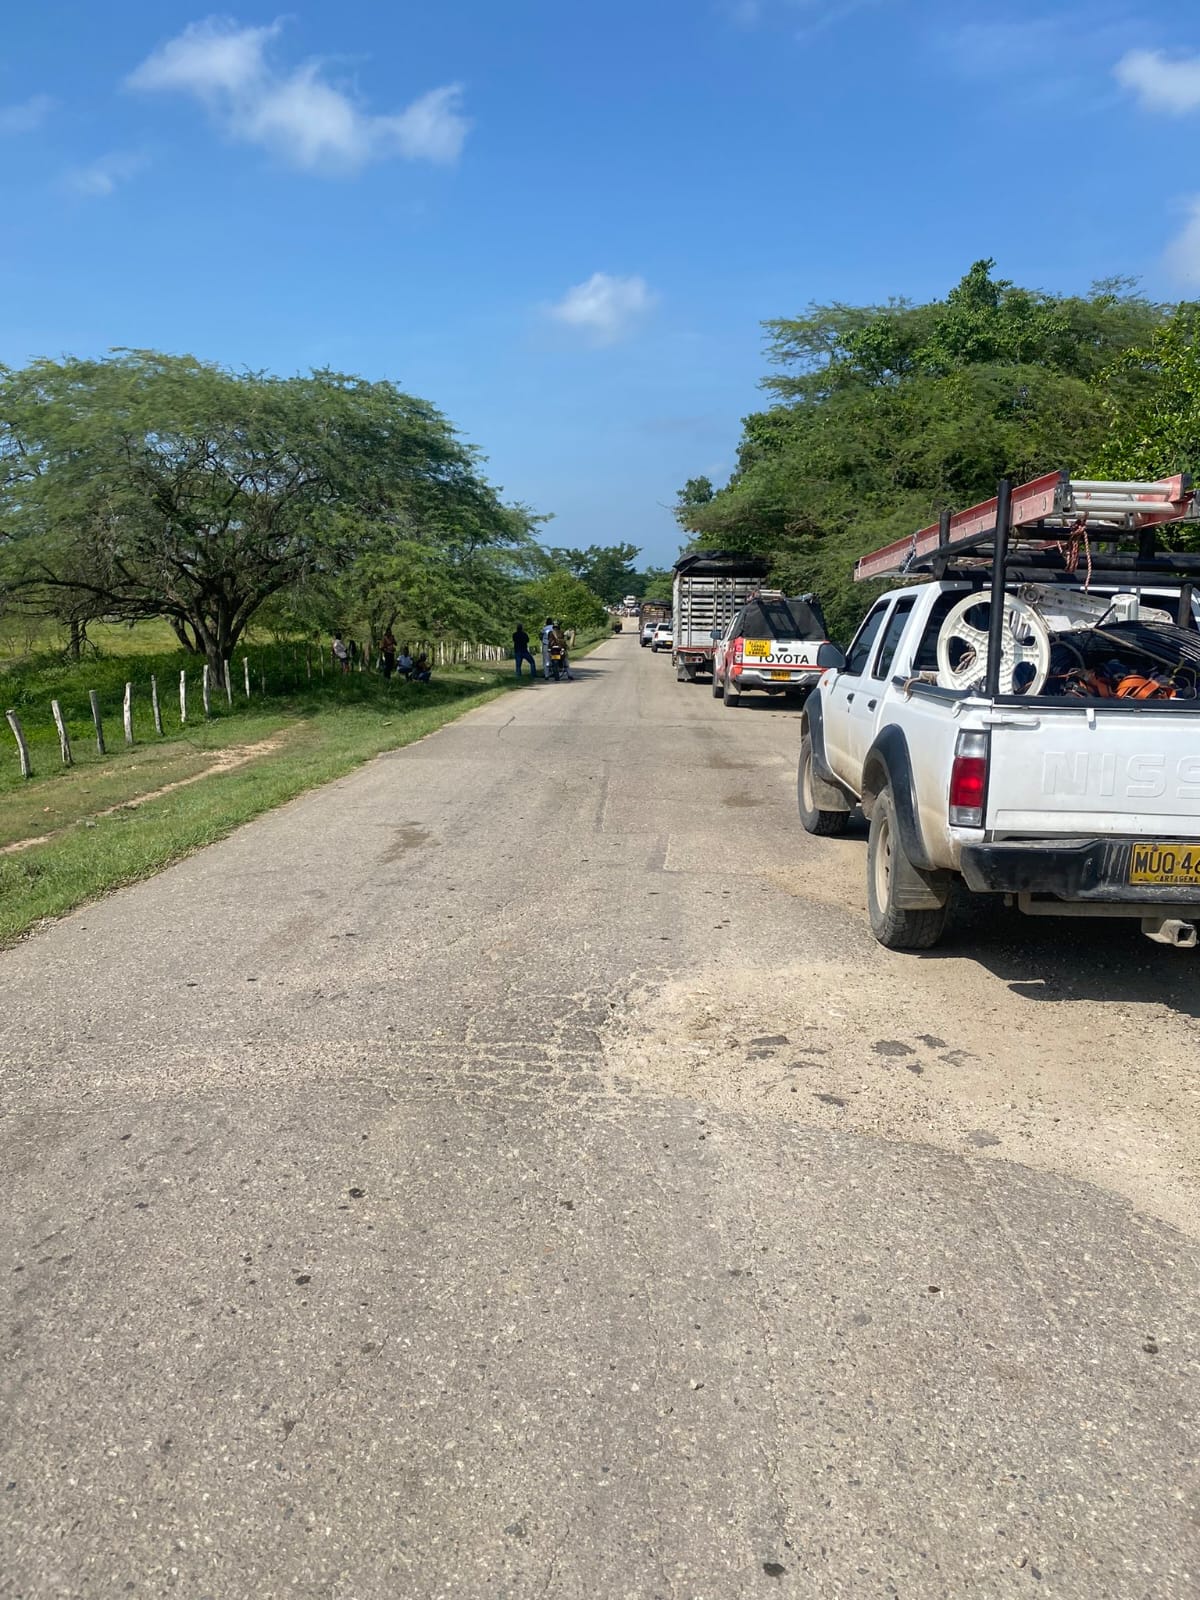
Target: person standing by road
(546, 632)
(521, 650)
(341, 656)
(387, 653)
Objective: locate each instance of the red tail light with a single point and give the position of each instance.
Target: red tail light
(736, 645)
(968, 780)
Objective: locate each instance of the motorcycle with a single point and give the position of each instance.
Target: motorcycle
(558, 662)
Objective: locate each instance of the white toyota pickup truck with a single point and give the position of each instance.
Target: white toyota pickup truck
(1075, 791)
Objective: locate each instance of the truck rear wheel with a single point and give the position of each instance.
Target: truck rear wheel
(827, 824)
(716, 686)
(894, 926)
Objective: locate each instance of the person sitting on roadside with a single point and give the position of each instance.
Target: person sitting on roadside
(404, 662)
(422, 670)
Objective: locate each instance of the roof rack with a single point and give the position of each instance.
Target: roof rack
(1056, 503)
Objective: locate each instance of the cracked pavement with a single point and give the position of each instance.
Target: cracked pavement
(513, 1170)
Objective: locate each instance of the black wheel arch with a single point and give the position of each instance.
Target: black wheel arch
(889, 766)
(812, 723)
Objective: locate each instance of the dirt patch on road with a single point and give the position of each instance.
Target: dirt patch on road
(945, 1053)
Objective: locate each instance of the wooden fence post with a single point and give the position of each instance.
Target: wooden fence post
(263, 682)
(228, 684)
(183, 698)
(128, 712)
(95, 702)
(205, 677)
(157, 709)
(308, 662)
(64, 738)
(14, 723)
(246, 674)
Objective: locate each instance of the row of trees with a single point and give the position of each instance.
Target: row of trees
(609, 571)
(883, 415)
(148, 485)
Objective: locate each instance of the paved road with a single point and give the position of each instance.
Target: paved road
(513, 1171)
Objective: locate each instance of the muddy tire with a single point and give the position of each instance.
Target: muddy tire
(732, 696)
(895, 927)
(826, 824)
(718, 691)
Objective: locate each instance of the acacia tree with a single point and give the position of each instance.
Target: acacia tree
(152, 485)
(462, 580)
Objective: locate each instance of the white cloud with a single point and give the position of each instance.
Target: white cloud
(605, 307)
(26, 117)
(431, 129)
(207, 58)
(1160, 83)
(1183, 253)
(299, 114)
(101, 178)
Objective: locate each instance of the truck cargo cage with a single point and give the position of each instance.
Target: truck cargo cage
(1042, 515)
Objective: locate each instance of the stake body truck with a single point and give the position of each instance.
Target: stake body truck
(709, 587)
(1025, 722)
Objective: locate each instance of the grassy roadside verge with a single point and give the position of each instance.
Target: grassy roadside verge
(96, 853)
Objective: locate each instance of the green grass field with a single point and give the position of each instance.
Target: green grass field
(69, 834)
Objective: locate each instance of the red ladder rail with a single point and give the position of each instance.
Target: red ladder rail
(1114, 508)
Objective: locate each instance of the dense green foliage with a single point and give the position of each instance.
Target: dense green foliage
(148, 485)
(1153, 406)
(609, 571)
(564, 597)
(884, 415)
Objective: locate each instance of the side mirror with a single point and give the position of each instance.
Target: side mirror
(831, 655)
(715, 634)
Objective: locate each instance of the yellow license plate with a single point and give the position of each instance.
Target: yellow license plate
(756, 647)
(781, 675)
(1174, 865)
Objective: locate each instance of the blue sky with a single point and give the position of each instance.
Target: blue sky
(565, 223)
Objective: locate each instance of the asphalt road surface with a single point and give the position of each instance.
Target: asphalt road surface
(514, 1171)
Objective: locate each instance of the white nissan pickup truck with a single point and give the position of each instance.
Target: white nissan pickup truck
(1075, 792)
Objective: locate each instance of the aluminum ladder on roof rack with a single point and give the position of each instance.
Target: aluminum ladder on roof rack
(1055, 502)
